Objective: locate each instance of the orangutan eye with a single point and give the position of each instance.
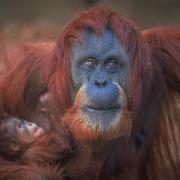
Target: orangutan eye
(112, 64)
(90, 63)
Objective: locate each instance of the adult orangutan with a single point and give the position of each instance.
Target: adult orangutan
(119, 89)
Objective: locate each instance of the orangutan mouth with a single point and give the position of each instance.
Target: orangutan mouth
(102, 108)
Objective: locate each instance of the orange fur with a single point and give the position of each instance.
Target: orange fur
(154, 102)
(165, 48)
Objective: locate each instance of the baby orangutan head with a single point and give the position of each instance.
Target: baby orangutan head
(16, 135)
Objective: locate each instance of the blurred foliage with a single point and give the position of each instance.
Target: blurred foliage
(44, 19)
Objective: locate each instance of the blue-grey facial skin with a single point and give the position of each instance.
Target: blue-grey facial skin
(99, 64)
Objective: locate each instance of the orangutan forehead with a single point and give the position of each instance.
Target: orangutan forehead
(104, 39)
(97, 45)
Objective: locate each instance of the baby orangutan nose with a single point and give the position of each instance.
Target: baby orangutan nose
(28, 130)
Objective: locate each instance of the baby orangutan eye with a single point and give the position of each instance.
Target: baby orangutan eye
(14, 146)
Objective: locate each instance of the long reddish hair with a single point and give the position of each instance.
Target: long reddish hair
(25, 78)
(153, 83)
(163, 157)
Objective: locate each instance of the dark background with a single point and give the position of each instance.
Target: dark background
(44, 19)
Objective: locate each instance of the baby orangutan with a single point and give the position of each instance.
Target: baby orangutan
(30, 152)
(16, 136)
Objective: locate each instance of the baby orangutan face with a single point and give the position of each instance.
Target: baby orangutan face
(16, 135)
